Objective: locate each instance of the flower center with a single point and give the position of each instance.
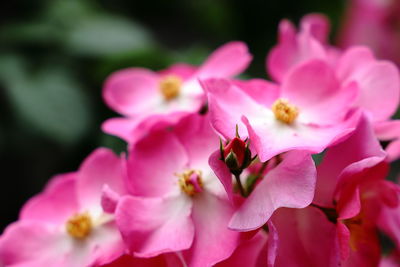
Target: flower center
(80, 225)
(191, 182)
(170, 87)
(284, 111)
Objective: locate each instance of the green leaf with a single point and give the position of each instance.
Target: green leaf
(52, 103)
(106, 35)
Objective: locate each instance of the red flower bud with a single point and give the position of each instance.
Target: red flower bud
(236, 154)
(238, 147)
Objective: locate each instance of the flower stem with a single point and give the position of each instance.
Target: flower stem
(239, 183)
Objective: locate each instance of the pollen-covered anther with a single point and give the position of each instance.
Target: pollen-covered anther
(80, 225)
(191, 182)
(284, 111)
(170, 87)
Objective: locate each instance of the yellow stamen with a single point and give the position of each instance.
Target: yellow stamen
(79, 226)
(191, 182)
(284, 111)
(170, 87)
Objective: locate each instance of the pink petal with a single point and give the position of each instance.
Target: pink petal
(270, 137)
(131, 91)
(227, 61)
(343, 234)
(317, 25)
(292, 50)
(306, 238)
(109, 199)
(152, 226)
(291, 184)
(378, 81)
(101, 167)
(164, 260)
(32, 243)
(227, 103)
(212, 234)
(361, 150)
(263, 92)
(393, 150)
(353, 59)
(182, 70)
(105, 244)
(389, 223)
(222, 172)
(153, 163)
(272, 244)
(198, 138)
(314, 89)
(56, 203)
(247, 253)
(389, 130)
(120, 127)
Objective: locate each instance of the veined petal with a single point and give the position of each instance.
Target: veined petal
(291, 184)
(152, 226)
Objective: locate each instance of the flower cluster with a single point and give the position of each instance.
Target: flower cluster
(219, 171)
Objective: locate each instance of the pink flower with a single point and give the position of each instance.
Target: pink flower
(377, 80)
(351, 185)
(65, 225)
(295, 48)
(146, 98)
(309, 112)
(375, 24)
(178, 204)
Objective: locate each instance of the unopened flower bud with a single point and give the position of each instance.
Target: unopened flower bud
(236, 154)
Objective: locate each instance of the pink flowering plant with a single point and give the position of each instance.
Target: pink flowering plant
(221, 171)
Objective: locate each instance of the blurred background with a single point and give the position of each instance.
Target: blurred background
(55, 55)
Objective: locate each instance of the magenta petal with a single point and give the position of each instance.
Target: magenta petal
(390, 131)
(227, 104)
(211, 216)
(247, 253)
(317, 25)
(56, 204)
(152, 226)
(358, 65)
(270, 137)
(109, 199)
(305, 238)
(131, 91)
(272, 244)
(101, 167)
(291, 184)
(182, 70)
(31, 243)
(315, 90)
(393, 150)
(263, 92)
(198, 138)
(120, 127)
(371, 79)
(164, 260)
(352, 60)
(153, 163)
(227, 61)
(292, 49)
(222, 172)
(361, 150)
